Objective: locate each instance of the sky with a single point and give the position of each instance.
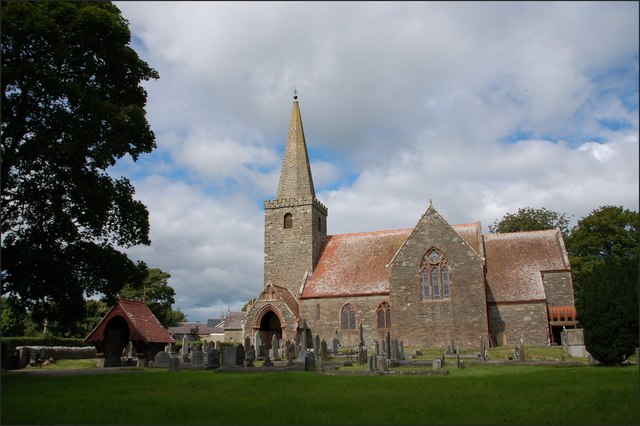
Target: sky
(481, 107)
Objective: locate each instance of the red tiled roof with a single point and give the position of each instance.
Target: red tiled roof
(143, 325)
(470, 232)
(354, 264)
(515, 260)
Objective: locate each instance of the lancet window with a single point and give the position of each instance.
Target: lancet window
(434, 273)
(348, 317)
(383, 315)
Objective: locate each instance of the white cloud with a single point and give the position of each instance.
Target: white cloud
(484, 108)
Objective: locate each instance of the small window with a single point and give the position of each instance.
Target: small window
(288, 221)
(318, 311)
(348, 317)
(383, 314)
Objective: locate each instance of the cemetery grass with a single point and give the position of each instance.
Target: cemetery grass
(474, 395)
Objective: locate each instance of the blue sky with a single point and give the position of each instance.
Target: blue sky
(482, 107)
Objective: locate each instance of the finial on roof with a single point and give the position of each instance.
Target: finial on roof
(430, 202)
(295, 93)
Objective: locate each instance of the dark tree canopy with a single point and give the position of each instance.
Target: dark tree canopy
(530, 219)
(72, 105)
(159, 296)
(608, 307)
(609, 231)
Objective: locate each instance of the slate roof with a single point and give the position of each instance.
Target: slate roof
(203, 328)
(233, 321)
(143, 325)
(354, 264)
(470, 232)
(515, 262)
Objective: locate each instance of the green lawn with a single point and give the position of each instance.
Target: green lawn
(475, 395)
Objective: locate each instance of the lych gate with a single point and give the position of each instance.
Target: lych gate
(128, 321)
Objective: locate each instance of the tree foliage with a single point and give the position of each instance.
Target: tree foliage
(609, 231)
(159, 296)
(530, 219)
(72, 105)
(608, 309)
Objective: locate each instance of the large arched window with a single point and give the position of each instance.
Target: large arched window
(348, 317)
(383, 315)
(434, 273)
(288, 221)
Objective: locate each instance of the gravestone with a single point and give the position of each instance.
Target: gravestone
(263, 350)
(316, 345)
(394, 349)
(228, 356)
(324, 350)
(310, 362)
(239, 354)
(377, 348)
(290, 352)
(361, 336)
(267, 361)
(335, 345)
(388, 344)
(197, 358)
(437, 363)
(174, 363)
(258, 344)
(274, 347)
(303, 345)
(250, 356)
(401, 351)
(247, 344)
(162, 360)
(373, 363)
(362, 355)
(384, 364)
(213, 359)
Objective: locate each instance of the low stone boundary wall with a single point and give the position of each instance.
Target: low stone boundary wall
(41, 353)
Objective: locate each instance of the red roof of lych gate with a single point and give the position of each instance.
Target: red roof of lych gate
(515, 262)
(143, 325)
(354, 264)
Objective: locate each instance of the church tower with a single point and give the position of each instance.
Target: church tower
(296, 222)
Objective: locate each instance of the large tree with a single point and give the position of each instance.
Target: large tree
(609, 231)
(608, 309)
(159, 296)
(72, 105)
(530, 219)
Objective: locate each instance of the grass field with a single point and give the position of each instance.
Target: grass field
(475, 395)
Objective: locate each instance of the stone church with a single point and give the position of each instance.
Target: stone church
(427, 285)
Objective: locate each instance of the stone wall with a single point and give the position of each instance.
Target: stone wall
(290, 253)
(436, 322)
(558, 288)
(329, 322)
(509, 322)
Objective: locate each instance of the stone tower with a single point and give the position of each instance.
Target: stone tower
(296, 222)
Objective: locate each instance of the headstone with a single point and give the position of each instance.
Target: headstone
(310, 362)
(334, 347)
(239, 354)
(324, 350)
(267, 361)
(213, 359)
(162, 359)
(197, 358)
(362, 355)
(373, 362)
(258, 343)
(274, 347)
(303, 345)
(458, 358)
(437, 363)
(218, 345)
(388, 344)
(316, 345)
(205, 346)
(228, 356)
(247, 344)
(290, 352)
(361, 335)
(522, 355)
(174, 363)
(263, 350)
(250, 356)
(401, 351)
(394, 350)
(384, 364)
(377, 348)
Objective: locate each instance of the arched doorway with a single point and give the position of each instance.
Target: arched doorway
(270, 326)
(116, 337)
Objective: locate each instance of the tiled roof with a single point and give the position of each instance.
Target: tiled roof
(470, 232)
(143, 325)
(354, 264)
(233, 321)
(515, 260)
(203, 328)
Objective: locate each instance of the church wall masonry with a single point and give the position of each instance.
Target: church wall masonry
(435, 322)
(510, 322)
(329, 322)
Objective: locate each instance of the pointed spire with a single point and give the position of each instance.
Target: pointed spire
(295, 177)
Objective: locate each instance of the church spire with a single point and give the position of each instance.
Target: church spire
(295, 177)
